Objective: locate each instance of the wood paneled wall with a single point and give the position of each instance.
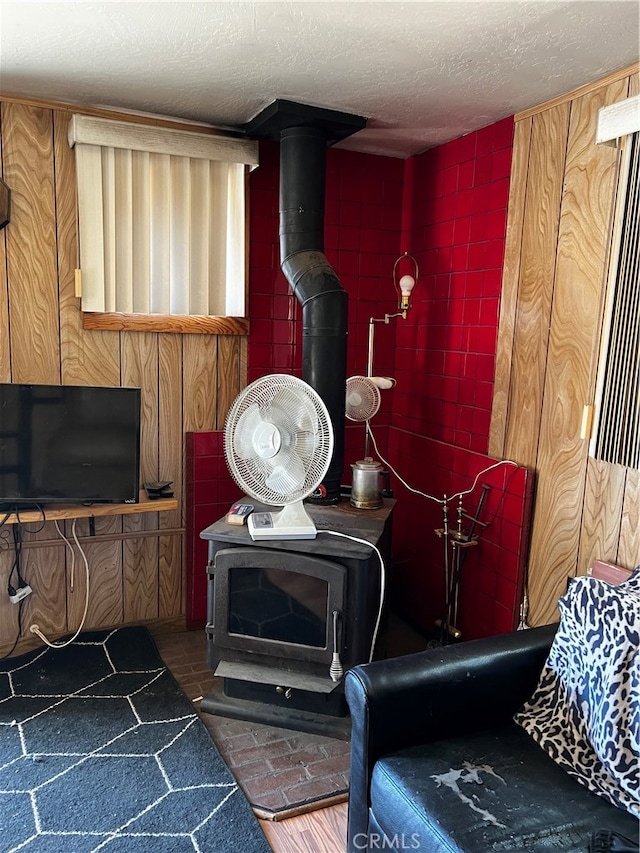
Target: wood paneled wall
(562, 198)
(187, 382)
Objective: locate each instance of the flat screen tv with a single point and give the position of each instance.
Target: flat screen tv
(69, 444)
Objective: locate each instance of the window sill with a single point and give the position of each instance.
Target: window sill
(176, 323)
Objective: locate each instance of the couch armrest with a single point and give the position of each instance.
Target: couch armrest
(435, 694)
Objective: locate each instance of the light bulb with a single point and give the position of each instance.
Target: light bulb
(406, 284)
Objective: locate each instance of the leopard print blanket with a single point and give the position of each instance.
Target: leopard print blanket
(585, 712)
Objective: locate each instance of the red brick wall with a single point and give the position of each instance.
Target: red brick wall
(448, 208)
(209, 493)
(456, 230)
(455, 223)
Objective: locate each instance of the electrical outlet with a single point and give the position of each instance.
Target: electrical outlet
(21, 593)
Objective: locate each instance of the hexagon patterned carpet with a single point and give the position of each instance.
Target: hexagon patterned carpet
(101, 750)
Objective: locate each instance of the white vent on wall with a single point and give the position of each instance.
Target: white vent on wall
(618, 120)
(616, 436)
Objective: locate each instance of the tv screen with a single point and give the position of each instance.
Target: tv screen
(67, 443)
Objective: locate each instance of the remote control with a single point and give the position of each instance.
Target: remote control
(162, 489)
(238, 513)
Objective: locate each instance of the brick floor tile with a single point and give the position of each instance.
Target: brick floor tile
(252, 770)
(336, 747)
(274, 782)
(241, 741)
(265, 734)
(335, 764)
(263, 750)
(308, 790)
(195, 687)
(299, 740)
(228, 727)
(274, 800)
(302, 758)
(182, 668)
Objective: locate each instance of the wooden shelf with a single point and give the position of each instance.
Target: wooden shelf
(62, 511)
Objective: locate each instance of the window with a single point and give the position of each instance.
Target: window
(617, 434)
(162, 224)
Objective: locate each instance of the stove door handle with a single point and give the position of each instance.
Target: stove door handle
(335, 670)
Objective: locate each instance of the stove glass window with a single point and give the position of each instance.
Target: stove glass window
(275, 604)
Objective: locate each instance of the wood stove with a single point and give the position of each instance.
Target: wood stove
(278, 613)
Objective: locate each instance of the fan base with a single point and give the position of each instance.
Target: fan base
(292, 522)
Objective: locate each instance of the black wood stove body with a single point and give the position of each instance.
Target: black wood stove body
(286, 618)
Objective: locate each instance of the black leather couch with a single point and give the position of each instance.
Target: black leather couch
(439, 766)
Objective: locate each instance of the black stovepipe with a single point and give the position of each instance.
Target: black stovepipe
(315, 284)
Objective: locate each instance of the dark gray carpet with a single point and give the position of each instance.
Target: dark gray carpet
(101, 750)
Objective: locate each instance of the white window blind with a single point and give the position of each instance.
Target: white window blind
(617, 435)
(161, 214)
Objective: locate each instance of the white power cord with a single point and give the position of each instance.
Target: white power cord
(383, 581)
(73, 553)
(446, 498)
(35, 629)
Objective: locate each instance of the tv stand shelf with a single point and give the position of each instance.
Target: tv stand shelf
(61, 511)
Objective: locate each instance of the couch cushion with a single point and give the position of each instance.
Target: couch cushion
(492, 791)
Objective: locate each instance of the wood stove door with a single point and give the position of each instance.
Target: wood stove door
(278, 604)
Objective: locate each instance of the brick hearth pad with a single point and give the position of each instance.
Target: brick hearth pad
(281, 771)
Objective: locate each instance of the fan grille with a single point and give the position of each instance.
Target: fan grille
(278, 439)
(363, 398)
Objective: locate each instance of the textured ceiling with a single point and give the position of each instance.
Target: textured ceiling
(421, 72)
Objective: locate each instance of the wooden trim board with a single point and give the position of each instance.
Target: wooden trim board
(621, 74)
(62, 511)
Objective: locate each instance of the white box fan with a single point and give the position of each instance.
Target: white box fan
(278, 444)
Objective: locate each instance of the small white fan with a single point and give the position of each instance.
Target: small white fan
(363, 398)
(278, 443)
